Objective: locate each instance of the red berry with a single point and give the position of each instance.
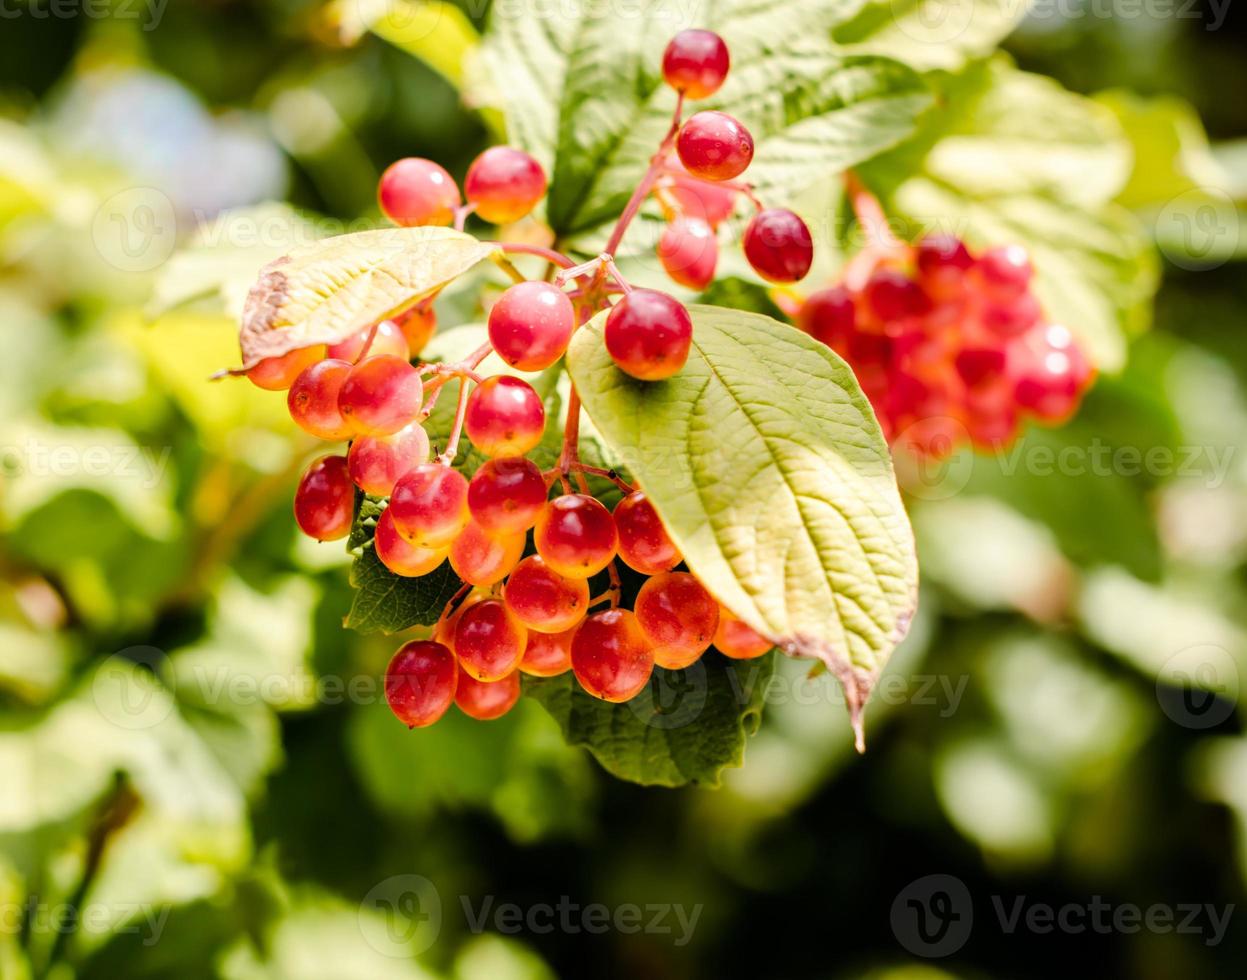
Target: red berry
(980, 366)
(1053, 372)
(381, 395)
(506, 494)
(489, 641)
(505, 184)
(548, 654)
(486, 700)
(611, 656)
(420, 682)
(544, 600)
(679, 618)
(399, 555)
(714, 146)
(940, 253)
(388, 339)
(505, 416)
(378, 462)
(734, 639)
(778, 246)
(1012, 318)
(644, 544)
(648, 334)
(531, 324)
(279, 373)
(481, 559)
(444, 631)
(1004, 272)
(892, 296)
(324, 503)
(829, 315)
(689, 252)
(417, 325)
(695, 198)
(415, 191)
(430, 505)
(576, 535)
(313, 400)
(695, 63)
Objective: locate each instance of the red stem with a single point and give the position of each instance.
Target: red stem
(549, 254)
(647, 182)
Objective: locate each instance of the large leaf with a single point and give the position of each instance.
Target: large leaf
(686, 727)
(436, 32)
(927, 34)
(323, 292)
(769, 470)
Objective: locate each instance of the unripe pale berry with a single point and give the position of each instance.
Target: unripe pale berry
(378, 462)
(504, 416)
(778, 246)
(381, 395)
(415, 191)
(313, 400)
(324, 503)
(279, 373)
(576, 536)
(486, 700)
(696, 63)
(611, 656)
(505, 184)
(420, 682)
(689, 252)
(531, 324)
(388, 339)
(695, 198)
(430, 505)
(399, 555)
(644, 544)
(714, 146)
(648, 334)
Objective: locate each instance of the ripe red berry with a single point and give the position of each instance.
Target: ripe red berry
(430, 505)
(542, 599)
(505, 184)
(778, 246)
(417, 326)
(1004, 271)
(576, 536)
(548, 654)
(444, 631)
(1052, 373)
(420, 682)
(381, 395)
(611, 656)
(644, 544)
(324, 503)
(892, 295)
(648, 334)
(279, 373)
(489, 641)
(482, 559)
(415, 191)
(980, 366)
(679, 618)
(714, 146)
(531, 324)
(505, 416)
(829, 315)
(313, 400)
(486, 700)
(378, 462)
(695, 198)
(938, 253)
(401, 556)
(735, 639)
(506, 494)
(695, 63)
(388, 339)
(1012, 318)
(689, 252)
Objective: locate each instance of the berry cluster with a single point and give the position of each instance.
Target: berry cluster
(948, 344)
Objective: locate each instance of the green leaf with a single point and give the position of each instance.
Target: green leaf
(389, 603)
(927, 34)
(438, 33)
(769, 470)
(686, 727)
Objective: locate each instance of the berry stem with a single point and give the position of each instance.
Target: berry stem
(656, 164)
(461, 215)
(450, 606)
(372, 335)
(505, 265)
(452, 444)
(611, 475)
(549, 254)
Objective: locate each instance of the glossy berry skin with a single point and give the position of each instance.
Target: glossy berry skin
(420, 682)
(531, 325)
(313, 400)
(714, 146)
(644, 544)
(324, 503)
(1052, 375)
(415, 191)
(417, 326)
(430, 505)
(829, 315)
(399, 555)
(548, 654)
(444, 631)
(695, 198)
(486, 700)
(648, 334)
(678, 616)
(489, 641)
(939, 253)
(611, 656)
(388, 339)
(544, 600)
(1012, 318)
(505, 184)
(689, 252)
(891, 295)
(506, 494)
(576, 535)
(381, 395)
(778, 246)
(279, 373)
(378, 462)
(483, 559)
(505, 416)
(734, 639)
(980, 367)
(1004, 271)
(695, 63)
